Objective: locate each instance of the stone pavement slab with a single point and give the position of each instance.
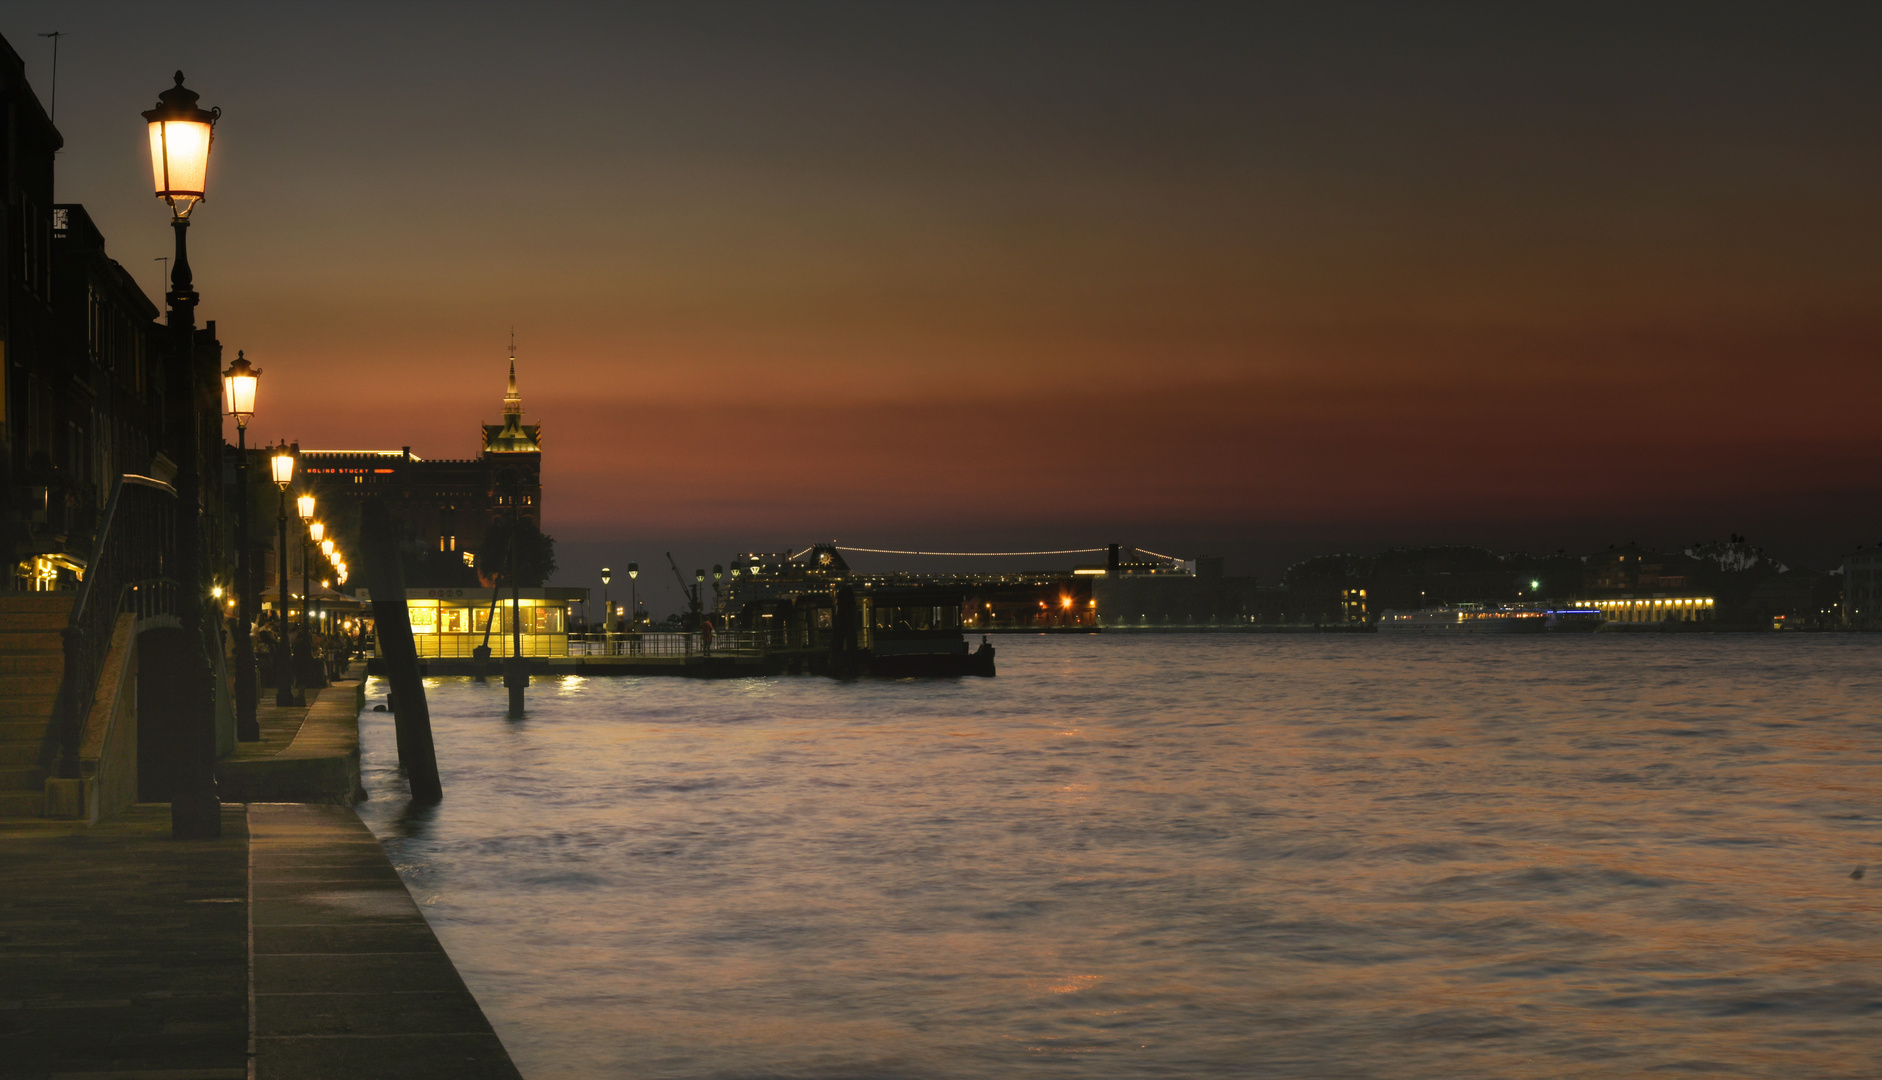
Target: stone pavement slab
(123, 952)
(349, 980)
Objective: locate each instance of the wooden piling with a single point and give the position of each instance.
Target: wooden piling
(392, 623)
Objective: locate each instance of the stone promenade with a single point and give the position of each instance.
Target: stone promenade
(288, 948)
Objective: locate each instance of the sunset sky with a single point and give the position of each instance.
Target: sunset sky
(1250, 280)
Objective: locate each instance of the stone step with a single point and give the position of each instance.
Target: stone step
(34, 620)
(16, 778)
(37, 603)
(14, 639)
(23, 753)
(24, 730)
(32, 663)
(17, 693)
(35, 709)
(23, 803)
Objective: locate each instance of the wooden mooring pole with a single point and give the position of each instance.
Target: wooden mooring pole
(392, 624)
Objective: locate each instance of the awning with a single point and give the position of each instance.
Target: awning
(324, 598)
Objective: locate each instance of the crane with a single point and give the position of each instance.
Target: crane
(691, 592)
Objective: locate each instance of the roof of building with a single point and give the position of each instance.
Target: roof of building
(512, 436)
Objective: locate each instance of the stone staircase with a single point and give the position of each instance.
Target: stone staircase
(32, 661)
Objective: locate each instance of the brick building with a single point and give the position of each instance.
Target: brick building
(441, 508)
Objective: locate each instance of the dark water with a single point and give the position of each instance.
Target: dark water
(1176, 856)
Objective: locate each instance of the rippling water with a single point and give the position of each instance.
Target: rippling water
(1291, 856)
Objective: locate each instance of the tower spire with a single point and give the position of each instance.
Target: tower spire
(512, 401)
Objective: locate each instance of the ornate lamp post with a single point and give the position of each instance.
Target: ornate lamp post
(607, 613)
(735, 596)
(316, 531)
(238, 400)
(327, 550)
(633, 595)
(180, 135)
(305, 505)
(281, 469)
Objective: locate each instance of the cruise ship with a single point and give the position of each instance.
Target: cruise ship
(1491, 619)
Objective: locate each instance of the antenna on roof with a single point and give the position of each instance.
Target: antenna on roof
(55, 36)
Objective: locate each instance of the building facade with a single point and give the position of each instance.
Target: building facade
(442, 509)
(86, 387)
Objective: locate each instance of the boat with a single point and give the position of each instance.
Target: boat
(916, 633)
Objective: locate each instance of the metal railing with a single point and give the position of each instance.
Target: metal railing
(131, 569)
(673, 643)
(464, 646)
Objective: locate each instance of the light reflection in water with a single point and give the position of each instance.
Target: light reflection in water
(1174, 856)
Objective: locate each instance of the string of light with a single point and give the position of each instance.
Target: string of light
(1154, 555)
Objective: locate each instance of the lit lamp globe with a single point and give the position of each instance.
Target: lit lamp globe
(238, 390)
(326, 548)
(180, 135)
(317, 530)
(633, 570)
(306, 505)
(281, 466)
(606, 575)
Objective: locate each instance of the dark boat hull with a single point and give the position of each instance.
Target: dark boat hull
(932, 665)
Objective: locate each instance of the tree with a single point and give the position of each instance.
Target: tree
(534, 550)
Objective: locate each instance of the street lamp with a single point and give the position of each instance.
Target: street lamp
(305, 504)
(633, 594)
(238, 400)
(326, 551)
(180, 135)
(607, 617)
(281, 470)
